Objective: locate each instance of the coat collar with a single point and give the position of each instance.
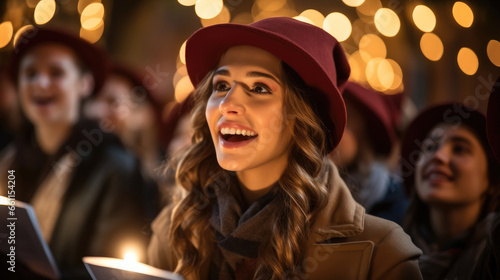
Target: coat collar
(342, 216)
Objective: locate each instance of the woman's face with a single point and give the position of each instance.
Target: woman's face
(452, 169)
(245, 112)
(349, 146)
(51, 85)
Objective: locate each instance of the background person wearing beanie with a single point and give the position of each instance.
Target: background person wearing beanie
(364, 151)
(263, 200)
(85, 188)
(452, 176)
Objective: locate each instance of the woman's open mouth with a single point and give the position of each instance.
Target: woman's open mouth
(235, 137)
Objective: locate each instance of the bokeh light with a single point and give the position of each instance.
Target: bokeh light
(424, 18)
(467, 61)
(82, 4)
(353, 3)
(208, 8)
(368, 8)
(6, 32)
(376, 69)
(431, 46)
(372, 46)
(358, 66)
(398, 76)
(493, 51)
(92, 16)
(182, 53)
(270, 5)
(338, 25)
(183, 88)
(187, 2)
(223, 17)
(21, 31)
(387, 22)
(44, 11)
(92, 35)
(315, 16)
(463, 14)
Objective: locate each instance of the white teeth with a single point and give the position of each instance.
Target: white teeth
(234, 131)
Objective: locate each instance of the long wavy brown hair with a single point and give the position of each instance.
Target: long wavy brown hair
(301, 190)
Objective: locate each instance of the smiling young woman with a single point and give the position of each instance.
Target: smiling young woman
(452, 175)
(263, 200)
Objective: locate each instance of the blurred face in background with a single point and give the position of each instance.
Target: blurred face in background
(123, 109)
(452, 169)
(51, 85)
(347, 151)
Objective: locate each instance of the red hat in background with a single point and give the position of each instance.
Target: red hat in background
(378, 115)
(93, 57)
(450, 113)
(313, 53)
(493, 119)
(136, 78)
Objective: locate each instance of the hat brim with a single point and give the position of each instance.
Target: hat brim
(93, 57)
(202, 57)
(417, 131)
(493, 119)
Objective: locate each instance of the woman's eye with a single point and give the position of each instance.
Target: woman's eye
(221, 86)
(56, 73)
(459, 149)
(429, 146)
(261, 88)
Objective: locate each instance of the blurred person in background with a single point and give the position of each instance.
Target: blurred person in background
(10, 117)
(87, 190)
(488, 266)
(452, 176)
(364, 152)
(124, 106)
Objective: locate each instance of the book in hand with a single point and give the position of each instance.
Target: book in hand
(101, 268)
(22, 243)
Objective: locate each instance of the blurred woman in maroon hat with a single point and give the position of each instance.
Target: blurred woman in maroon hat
(126, 107)
(453, 177)
(364, 152)
(263, 200)
(488, 266)
(87, 191)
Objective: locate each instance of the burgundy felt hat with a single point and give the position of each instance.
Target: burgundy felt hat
(93, 57)
(377, 113)
(313, 53)
(449, 113)
(493, 119)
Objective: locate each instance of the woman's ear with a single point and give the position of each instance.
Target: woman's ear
(86, 85)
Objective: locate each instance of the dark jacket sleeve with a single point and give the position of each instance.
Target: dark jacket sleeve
(107, 210)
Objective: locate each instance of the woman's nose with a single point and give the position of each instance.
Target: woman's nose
(442, 154)
(232, 103)
(41, 80)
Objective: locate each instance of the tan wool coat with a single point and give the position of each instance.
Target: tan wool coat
(345, 243)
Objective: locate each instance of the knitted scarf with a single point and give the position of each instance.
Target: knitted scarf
(238, 232)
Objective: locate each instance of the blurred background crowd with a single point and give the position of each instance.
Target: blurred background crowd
(404, 56)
